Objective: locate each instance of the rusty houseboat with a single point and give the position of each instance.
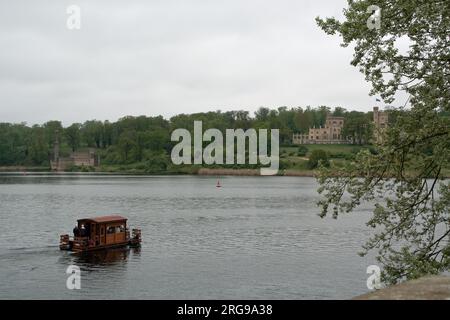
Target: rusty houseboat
(100, 233)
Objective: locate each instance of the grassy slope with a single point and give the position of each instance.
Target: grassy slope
(297, 163)
(330, 148)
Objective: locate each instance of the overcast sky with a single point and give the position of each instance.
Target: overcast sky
(164, 57)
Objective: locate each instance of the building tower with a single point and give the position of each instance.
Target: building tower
(380, 120)
(56, 147)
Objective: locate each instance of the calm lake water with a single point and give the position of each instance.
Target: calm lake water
(254, 238)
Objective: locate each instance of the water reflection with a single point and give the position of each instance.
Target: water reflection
(102, 258)
(106, 257)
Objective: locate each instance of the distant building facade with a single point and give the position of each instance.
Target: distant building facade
(87, 158)
(331, 133)
(381, 122)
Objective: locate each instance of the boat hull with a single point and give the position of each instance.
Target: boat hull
(74, 248)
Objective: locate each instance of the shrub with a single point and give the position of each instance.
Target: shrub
(74, 168)
(316, 157)
(338, 155)
(373, 150)
(349, 156)
(284, 164)
(111, 156)
(156, 163)
(302, 151)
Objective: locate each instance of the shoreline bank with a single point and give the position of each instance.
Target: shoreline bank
(199, 172)
(206, 172)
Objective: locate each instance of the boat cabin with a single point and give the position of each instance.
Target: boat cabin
(100, 232)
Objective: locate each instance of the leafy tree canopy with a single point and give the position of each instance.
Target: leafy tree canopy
(409, 53)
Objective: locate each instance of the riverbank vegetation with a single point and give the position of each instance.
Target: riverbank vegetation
(406, 54)
(141, 145)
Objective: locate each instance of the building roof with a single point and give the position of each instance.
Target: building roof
(102, 219)
(336, 117)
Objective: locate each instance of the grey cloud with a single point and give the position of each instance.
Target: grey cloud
(168, 57)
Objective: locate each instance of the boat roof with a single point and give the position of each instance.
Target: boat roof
(102, 219)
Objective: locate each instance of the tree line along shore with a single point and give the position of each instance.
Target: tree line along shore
(142, 145)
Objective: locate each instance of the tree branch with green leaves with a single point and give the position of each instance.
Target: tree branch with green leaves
(409, 53)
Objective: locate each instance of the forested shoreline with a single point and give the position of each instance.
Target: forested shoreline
(134, 139)
(141, 144)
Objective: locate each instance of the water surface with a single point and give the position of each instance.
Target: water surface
(254, 238)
